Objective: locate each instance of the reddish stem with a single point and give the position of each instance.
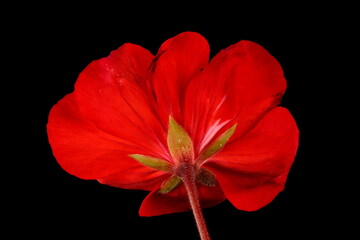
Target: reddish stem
(190, 185)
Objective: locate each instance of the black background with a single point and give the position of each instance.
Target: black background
(56, 47)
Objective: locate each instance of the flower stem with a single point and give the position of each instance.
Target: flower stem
(190, 185)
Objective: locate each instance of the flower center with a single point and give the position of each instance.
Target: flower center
(185, 167)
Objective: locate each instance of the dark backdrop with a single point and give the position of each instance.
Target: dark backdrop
(58, 46)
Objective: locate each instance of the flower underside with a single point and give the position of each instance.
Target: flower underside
(184, 165)
(121, 105)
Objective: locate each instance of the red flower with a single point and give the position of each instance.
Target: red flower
(139, 121)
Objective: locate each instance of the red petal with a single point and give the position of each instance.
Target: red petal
(132, 177)
(132, 62)
(179, 59)
(239, 85)
(253, 170)
(177, 201)
(112, 94)
(86, 152)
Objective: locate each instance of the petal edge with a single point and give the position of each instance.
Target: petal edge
(253, 170)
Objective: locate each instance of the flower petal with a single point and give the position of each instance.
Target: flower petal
(178, 60)
(253, 170)
(111, 93)
(177, 200)
(86, 152)
(132, 177)
(132, 62)
(239, 85)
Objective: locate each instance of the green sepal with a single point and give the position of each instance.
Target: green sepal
(179, 142)
(216, 145)
(170, 185)
(206, 178)
(155, 163)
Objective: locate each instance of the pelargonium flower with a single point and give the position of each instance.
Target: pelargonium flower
(180, 126)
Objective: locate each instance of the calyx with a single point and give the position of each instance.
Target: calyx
(184, 166)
